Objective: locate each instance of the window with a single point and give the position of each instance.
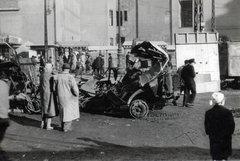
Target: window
(111, 41)
(111, 17)
(186, 13)
(121, 22)
(9, 5)
(125, 16)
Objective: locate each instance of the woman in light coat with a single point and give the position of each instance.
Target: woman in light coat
(48, 99)
(68, 92)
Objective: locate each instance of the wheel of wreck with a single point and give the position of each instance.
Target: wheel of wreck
(138, 109)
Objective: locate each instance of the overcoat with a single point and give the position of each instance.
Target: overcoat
(48, 98)
(73, 62)
(68, 92)
(188, 74)
(219, 125)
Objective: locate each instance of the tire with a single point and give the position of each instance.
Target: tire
(138, 109)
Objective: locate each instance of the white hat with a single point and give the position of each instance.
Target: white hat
(217, 97)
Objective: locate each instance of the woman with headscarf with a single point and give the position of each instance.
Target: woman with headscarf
(48, 99)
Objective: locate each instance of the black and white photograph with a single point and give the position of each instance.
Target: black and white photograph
(119, 80)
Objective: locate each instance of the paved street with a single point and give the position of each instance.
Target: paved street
(173, 133)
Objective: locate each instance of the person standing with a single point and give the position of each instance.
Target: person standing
(48, 98)
(4, 119)
(110, 65)
(100, 64)
(219, 126)
(79, 69)
(188, 75)
(73, 62)
(127, 61)
(42, 63)
(182, 88)
(88, 62)
(67, 92)
(83, 62)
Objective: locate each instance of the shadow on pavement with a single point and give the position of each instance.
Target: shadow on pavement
(23, 120)
(97, 150)
(26, 121)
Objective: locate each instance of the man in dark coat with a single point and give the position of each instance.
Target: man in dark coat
(219, 125)
(100, 64)
(188, 75)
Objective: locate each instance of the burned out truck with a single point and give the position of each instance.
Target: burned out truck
(139, 91)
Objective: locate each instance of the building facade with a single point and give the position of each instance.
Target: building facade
(98, 22)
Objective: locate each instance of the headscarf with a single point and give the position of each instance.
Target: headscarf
(48, 67)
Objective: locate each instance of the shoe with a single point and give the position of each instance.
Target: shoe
(65, 130)
(174, 103)
(189, 104)
(49, 128)
(42, 125)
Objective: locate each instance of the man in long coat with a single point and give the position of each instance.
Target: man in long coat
(48, 99)
(188, 75)
(219, 125)
(100, 64)
(68, 92)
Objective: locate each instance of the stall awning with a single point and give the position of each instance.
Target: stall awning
(73, 44)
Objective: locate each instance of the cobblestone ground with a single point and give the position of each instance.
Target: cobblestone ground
(173, 133)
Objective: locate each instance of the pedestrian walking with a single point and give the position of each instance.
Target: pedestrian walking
(219, 126)
(188, 75)
(67, 92)
(4, 119)
(48, 97)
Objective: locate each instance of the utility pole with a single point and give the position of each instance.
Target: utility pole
(120, 55)
(45, 30)
(213, 17)
(137, 19)
(55, 25)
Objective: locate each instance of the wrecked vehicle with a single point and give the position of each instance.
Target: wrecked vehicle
(140, 90)
(23, 91)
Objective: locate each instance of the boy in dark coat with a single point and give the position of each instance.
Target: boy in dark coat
(219, 125)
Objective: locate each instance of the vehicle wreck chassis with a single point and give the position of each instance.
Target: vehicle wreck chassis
(137, 92)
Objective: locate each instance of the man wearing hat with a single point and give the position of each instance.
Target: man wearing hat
(67, 91)
(188, 74)
(219, 125)
(100, 64)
